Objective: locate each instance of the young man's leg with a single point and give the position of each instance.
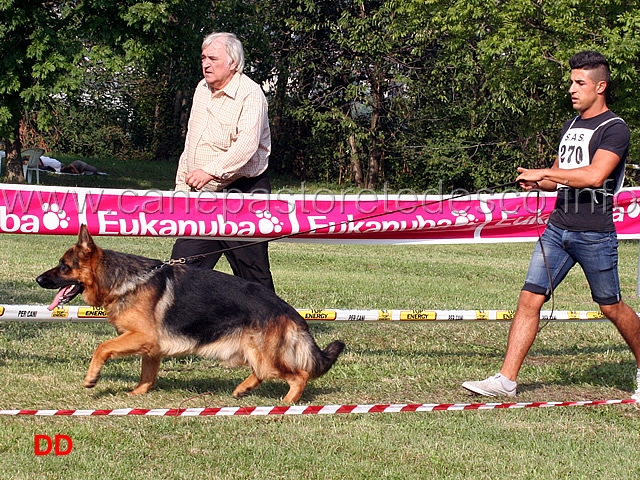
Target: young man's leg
(524, 328)
(628, 324)
(597, 254)
(552, 261)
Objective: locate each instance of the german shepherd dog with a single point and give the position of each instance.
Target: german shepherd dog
(164, 310)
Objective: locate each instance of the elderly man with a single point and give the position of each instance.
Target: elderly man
(227, 149)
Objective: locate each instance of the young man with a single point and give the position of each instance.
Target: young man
(588, 170)
(227, 149)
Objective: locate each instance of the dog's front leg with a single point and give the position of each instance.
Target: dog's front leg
(129, 343)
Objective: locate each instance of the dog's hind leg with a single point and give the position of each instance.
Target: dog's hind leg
(129, 343)
(297, 382)
(150, 367)
(249, 384)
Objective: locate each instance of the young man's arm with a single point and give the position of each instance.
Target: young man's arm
(589, 176)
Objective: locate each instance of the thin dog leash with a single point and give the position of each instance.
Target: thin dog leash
(183, 260)
(345, 222)
(546, 263)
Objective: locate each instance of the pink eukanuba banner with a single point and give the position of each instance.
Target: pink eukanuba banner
(339, 218)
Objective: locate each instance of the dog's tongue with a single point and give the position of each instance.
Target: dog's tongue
(59, 296)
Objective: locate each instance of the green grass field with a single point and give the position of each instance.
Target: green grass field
(42, 367)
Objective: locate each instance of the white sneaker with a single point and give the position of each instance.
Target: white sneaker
(492, 387)
(636, 395)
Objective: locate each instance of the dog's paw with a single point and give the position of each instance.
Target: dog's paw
(90, 383)
(140, 389)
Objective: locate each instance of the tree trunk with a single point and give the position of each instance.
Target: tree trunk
(14, 160)
(277, 108)
(180, 119)
(375, 152)
(375, 160)
(356, 168)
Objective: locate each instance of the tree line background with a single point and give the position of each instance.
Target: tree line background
(413, 93)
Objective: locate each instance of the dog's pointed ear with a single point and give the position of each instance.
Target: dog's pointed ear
(84, 239)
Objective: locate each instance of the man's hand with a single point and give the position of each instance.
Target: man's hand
(528, 179)
(198, 178)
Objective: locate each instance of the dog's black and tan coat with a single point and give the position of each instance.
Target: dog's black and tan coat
(163, 310)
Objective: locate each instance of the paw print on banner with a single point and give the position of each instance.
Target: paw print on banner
(633, 210)
(54, 217)
(463, 218)
(268, 223)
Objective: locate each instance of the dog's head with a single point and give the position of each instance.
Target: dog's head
(74, 271)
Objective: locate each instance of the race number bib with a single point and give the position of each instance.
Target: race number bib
(574, 147)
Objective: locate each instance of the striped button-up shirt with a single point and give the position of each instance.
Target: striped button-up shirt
(228, 134)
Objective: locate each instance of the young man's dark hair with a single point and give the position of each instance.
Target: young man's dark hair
(592, 61)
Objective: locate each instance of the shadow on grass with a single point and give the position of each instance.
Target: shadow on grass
(127, 382)
(219, 387)
(608, 374)
(535, 357)
(43, 360)
(548, 353)
(23, 293)
(385, 352)
(18, 331)
(586, 383)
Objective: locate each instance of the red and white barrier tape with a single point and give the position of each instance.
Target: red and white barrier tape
(308, 410)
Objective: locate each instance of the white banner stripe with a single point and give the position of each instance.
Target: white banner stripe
(121, 411)
(228, 411)
(192, 412)
(73, 313)
(395, 408)
(329, 409)
(426, 408)
(457, 407)
(296, 410)
(157, 412)
(364, 409)
(262, 411)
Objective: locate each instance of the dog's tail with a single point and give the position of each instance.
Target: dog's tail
(324, 359)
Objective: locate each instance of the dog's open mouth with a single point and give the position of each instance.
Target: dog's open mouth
(65, 295)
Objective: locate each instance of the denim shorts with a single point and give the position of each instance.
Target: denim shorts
(595, 252)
